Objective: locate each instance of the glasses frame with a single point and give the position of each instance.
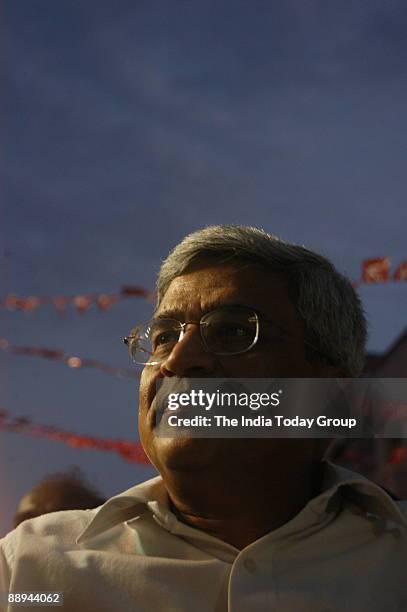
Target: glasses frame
(259, 317)
(201, 323)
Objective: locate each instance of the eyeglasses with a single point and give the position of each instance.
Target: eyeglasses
(227, 330)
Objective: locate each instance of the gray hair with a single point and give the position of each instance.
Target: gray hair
(332, 312)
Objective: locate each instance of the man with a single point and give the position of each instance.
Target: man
(231, 524)
(59, 491)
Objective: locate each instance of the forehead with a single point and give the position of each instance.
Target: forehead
(194, 293)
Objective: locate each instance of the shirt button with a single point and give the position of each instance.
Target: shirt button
(250, 565)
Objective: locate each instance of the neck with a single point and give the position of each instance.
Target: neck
(240, 508)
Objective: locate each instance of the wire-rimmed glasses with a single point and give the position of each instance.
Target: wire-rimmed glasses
(227, 330)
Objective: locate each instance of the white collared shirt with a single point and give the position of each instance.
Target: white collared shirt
(345, 551)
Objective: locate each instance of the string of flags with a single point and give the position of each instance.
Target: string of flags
(133, 451)
(373, 271)
(130, 451)
(378, 270)
(82, 303)
(71, 361)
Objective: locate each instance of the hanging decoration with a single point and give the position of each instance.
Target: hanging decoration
(71, 361)
(130, 451)
(374, 270)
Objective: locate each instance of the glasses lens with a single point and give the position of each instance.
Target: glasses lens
(154, 341)
(138, 344)
(230, 331)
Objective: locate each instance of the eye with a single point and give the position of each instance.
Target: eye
(232, 330)
(164, 338)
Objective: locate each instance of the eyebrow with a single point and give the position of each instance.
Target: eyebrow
(175, 313)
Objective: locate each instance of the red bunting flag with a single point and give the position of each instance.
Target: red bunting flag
(61, 303)
(129, 290)
(82, 303)
(401, 271)
(31, 303)
(13, 302)
(105, 301)
(376, 270)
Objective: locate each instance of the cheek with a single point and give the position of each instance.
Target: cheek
(144, 397)
(148, 384)
(144, 386)
(144, 404)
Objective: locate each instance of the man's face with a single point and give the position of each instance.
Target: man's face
(188, 298)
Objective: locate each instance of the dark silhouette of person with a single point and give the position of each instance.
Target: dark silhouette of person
(60, 491)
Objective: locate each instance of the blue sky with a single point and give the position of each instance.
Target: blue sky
(128, 125)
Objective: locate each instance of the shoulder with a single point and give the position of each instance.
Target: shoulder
(57, 528)
(60, 531)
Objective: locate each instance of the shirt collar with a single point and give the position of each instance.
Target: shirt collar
(151, 496)
(368, 496)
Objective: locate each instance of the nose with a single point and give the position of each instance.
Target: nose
(189, 357)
